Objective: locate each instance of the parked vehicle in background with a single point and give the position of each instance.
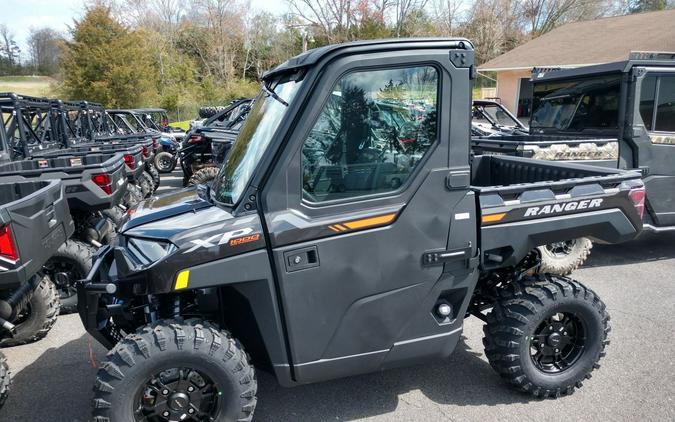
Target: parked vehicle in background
(158, 119)
(617, 115)
(196, 155)
(490, 118)
(327, 247)
(128, 122)
(34, 223)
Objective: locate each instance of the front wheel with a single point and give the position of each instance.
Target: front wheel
(165, 162)
(171, 371)
(5, 379)
(564, 257)
(546, 334)
(71, 262)
(203, 176)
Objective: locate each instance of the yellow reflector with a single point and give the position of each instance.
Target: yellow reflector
(493, 217)
(182, 279)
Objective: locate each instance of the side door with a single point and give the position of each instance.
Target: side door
(368, 238)
(654, 117)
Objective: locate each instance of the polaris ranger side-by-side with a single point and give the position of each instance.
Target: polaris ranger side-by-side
(34, 222)
(614, 115)
(326, 248)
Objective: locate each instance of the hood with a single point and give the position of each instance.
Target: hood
(163, 208)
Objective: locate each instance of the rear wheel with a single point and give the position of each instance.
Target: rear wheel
(546, 334)
(146, 184)
(154, 174)
(203, 176)
(38, 318)
(5, 379)
(564, 257)
(164, 162)
(171, 371)
(133, 196)
(71, 262)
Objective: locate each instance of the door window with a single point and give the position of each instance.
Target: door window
(374, 130)
(657, 103)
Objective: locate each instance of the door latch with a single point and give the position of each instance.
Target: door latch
(300, 259)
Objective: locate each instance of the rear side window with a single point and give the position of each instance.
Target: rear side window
(665, 110)
(657, 103)
(647, 97)
(372, 133)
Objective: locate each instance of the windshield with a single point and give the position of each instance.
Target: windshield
(254, 137)
(589, 103)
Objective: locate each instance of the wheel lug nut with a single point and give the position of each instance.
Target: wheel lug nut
(165, 414)
(565, 333)
(191, 411)
(191, 389)
(165, 392)
(557, 350)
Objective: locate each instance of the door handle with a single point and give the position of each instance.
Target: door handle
(300, 259)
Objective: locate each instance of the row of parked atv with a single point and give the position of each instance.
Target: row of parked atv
(69, 172)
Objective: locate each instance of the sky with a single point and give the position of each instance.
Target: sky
(21, 15)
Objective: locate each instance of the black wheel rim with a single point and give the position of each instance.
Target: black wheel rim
(561, 249)
(178, 394)
(64, 274)
(558, 342)
(164, 163)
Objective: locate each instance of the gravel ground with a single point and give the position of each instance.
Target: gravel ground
(53, 378)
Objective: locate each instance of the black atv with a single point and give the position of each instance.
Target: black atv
(200, 157)
(34, 223)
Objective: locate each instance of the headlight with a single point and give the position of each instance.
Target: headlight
(149, 251)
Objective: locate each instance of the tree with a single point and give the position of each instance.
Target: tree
(9, 50)
(639, 6)
(44, 48)
(105, 62)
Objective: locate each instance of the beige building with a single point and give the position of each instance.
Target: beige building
(578, 44)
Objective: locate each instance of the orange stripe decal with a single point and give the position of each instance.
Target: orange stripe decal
(493, 218)
(370, 222)
(341, 227)
(335, 229)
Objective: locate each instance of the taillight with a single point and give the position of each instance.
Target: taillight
(154, 143)
(103, 181)
(146, 153)
(194, 139)
(638, 196)
(7, 246)
(129, 161)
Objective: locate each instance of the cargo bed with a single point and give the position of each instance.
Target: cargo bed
(597, 151)
(546, 201)
(92, 182)
(38, 217)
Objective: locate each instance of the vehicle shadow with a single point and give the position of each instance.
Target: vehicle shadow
(646, 248)
(55, 387)
(58, 387)
(463, 380)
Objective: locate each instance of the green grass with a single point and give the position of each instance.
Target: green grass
(36, 86)
(185, 124)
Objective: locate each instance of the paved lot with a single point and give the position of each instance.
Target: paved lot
(53, 378)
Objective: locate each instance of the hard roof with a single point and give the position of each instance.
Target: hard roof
(311, 57)
(607, 68)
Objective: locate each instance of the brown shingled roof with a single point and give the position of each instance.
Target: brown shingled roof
(592, 42)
